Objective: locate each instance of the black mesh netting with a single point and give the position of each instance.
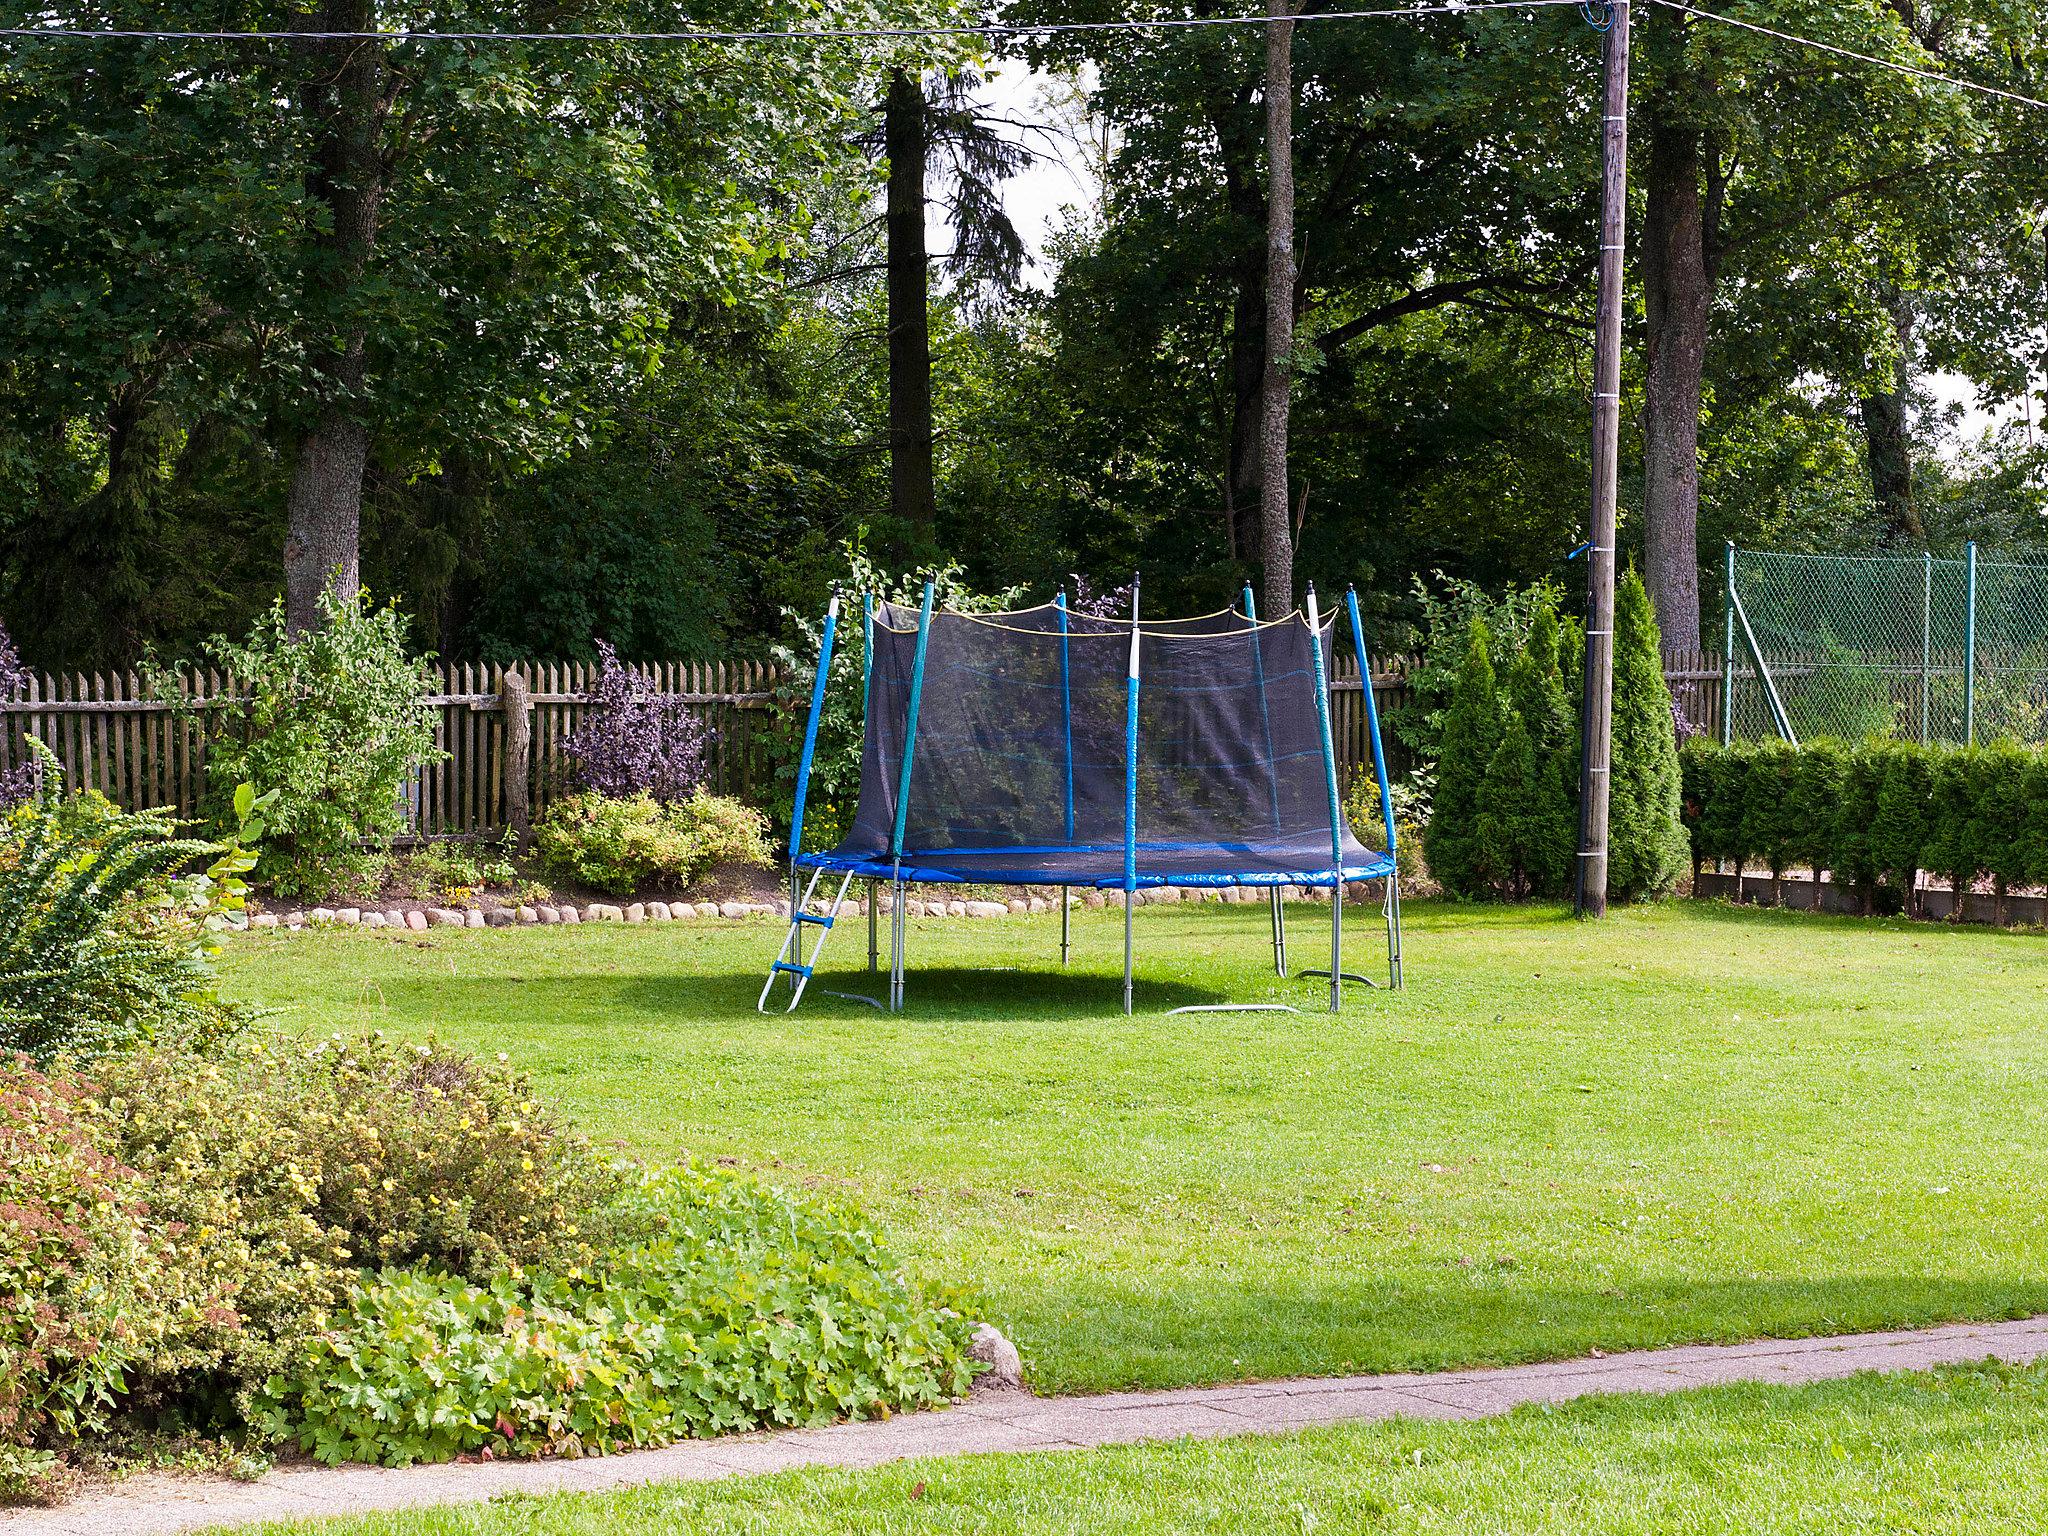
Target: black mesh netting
(1019, 769)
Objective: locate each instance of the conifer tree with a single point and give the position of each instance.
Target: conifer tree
(1509, 827)
(1471, 735)
(1536, 690)
(1646, 847)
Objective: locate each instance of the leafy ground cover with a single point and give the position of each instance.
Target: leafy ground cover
(1957, 1451)
(1688, 1123)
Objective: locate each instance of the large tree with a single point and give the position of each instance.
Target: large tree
(411, 249)
(1790, 199)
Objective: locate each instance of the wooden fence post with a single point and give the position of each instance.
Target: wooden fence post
(513, 699)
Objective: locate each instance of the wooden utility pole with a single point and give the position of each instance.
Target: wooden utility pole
(1596, 713)
(1276, 533)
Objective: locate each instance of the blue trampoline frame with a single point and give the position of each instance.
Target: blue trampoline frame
(1236, 864)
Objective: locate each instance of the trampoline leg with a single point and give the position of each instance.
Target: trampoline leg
(1127, 953)
(896, 946)
(1337, 943)
(1394, 932)
(874, 891)
(1279, 931)
(1066, 924)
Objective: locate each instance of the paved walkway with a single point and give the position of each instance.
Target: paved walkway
(1016, 1421)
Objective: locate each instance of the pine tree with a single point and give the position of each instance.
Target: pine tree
(1646, 847)
(1536, 690)
(1509, 826)
(1471, 735)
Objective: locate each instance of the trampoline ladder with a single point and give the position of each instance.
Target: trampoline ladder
(788, 959)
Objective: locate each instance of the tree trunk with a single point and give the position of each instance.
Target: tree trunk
(1677, 292)
(344, 97)
(1276, 536)
(1886, 438)
(1247, 379)
(911, 498)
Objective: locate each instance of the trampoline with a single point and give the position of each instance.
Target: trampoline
(1048, 747)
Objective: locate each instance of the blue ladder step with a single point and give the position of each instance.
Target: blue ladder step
(806, 917)
(794, 970)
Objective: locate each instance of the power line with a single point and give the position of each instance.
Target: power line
(1850, 53)
(992, 29)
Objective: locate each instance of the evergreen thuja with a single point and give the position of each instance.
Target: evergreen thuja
(1646, 845)
(1453, 844)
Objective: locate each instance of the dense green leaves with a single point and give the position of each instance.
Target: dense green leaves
(737, 1307)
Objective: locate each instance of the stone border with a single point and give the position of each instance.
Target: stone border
(541, 914)
(1014, 1421)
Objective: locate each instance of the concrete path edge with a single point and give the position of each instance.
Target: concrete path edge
(1013, 1420)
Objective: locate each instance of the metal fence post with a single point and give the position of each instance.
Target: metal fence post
(1728, 642)
(1926, 636)
(1970, 648)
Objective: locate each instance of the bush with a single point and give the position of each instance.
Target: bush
(24, 781)
(635, 741)
(1646, 849)
(1874, 814)
(103, 941)
(635, 844)
(1362, 806)
(332, 719)
(283, 1168)
(1471, 734)
(77, 1271)
(737, 1307)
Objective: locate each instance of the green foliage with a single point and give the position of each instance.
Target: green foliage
(1874, 814)
(635, 844)
(1646, 850)
(1362, 806)
(453, 874)
(105, 938)
(734, 1307)
(278, 1170)
(78, 1272)
(1448, 606)
(1511, 829)
(330, 721)
(1456, 853)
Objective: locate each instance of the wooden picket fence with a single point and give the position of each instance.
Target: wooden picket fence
(139, 751)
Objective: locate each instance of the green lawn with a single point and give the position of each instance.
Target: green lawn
(1957, 1451)
(1686, 1123)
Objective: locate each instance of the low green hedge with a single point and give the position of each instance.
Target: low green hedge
(1871, 815)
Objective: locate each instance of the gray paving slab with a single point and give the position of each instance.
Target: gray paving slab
(159, 1505)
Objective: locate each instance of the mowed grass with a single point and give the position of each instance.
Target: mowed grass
(1685, 1123)
(1957, 1451)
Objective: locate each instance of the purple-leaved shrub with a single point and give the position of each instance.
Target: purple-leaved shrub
(25, 780)
(635, 740)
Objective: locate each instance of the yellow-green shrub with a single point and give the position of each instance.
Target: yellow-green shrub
(623, 845)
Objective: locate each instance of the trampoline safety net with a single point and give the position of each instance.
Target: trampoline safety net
(1020, 758)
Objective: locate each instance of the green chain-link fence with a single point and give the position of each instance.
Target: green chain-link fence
(1908, 646)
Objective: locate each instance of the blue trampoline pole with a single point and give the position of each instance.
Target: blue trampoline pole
(803, 767)
(1315, 649)
(1278, 912)
(1067, 731)
(1130, 792)
(867, 674)
(1379, 768)
(924, 632)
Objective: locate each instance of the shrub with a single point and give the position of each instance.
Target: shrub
(737, 1307)
(634, 844)
(77, 1269)
(454, 873)
(331, 719)
(285, 1167)
(1471, 733)
(1450, 607)
(635, 741)
(1646, 848)
(24, 781)
(1362, 806)
(102, 940)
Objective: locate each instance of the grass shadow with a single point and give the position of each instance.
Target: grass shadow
(949, 990)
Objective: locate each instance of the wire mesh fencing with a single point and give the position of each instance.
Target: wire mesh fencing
(1907, 646)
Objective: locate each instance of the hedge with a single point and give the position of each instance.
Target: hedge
(1871, 815)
